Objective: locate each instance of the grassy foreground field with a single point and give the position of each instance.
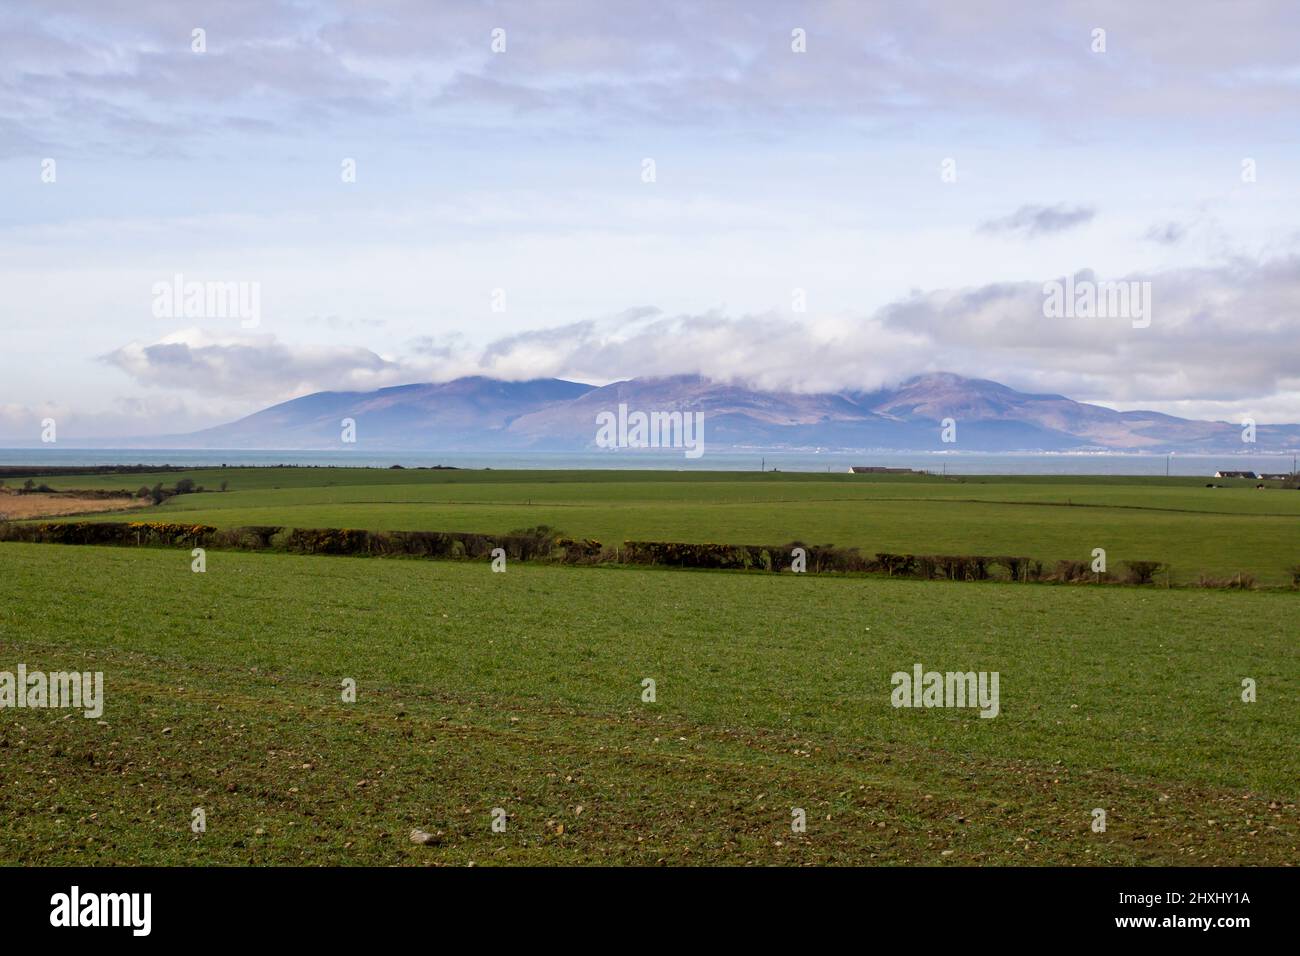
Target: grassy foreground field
(523, 691)
(1193, 529)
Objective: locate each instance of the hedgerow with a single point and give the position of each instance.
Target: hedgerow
(547, 544)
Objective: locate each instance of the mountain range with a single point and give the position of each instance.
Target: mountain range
(486, 414)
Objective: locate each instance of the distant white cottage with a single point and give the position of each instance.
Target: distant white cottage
(1235, 474)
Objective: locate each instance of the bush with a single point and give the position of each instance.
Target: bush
(717, 556)
(1072, 572)
(1142, 572)
(545, 543)
(955, 567)
(162, 532)
(896, 564)
(535, 542)
(1017, 568)
(584, 551)
(252, 538)
(109, 532)
(327, 541)
(820, 558)
(529, 545)
(434, 544)
(1243, 582)
(684, 555)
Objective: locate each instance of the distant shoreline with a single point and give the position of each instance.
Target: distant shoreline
(22, 462)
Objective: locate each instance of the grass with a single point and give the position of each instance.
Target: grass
(523, 691)
(1217, 531)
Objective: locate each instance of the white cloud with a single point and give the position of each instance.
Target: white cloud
(127, 73)
(1219, 344)
(1031, 221)
(256, 367)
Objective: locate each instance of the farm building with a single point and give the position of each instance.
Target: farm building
(1235, 474)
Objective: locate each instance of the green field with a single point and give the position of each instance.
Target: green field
(523, 691)
(1193, 529)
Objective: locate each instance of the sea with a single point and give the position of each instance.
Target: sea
(948, 462)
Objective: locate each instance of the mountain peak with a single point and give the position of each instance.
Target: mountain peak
(477, 412)
(945, 379)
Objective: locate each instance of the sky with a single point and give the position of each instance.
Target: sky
(812, 196)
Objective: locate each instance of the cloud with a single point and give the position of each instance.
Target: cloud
(124, 77)
(118, 417)
(769, 350)
(252, 367)
(1166, 233)
(1219, 338)
(1031, 221)
(1217, 334)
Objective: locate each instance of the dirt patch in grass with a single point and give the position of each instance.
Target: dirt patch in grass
(16, 507)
